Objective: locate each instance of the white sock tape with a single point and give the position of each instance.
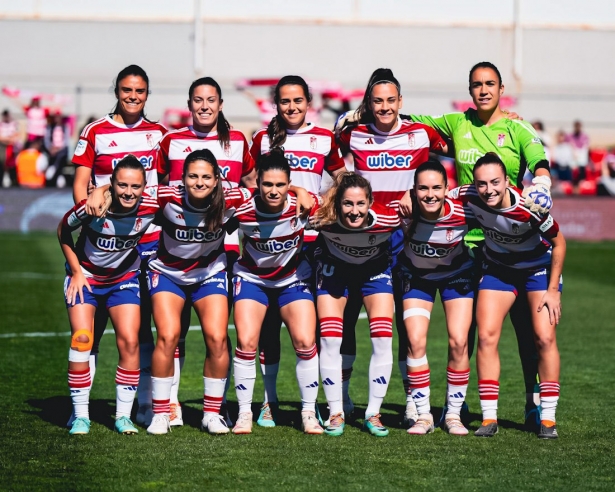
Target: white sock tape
(77, 356)
(416, 312)
(421, 361)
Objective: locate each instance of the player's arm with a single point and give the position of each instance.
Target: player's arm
(81, 183)
(443, 124)
(99, 201)
(552, 298)
(305, 200)
(71, 221)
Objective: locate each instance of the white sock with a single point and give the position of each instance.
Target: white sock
(79, 384)
(126, 383)
(488, 392)
(456, 389)
(144, 395)
(347, 363)
(244, 368)
(213, 392)
(307, 377)
(270, 379)
(549, 395)
(381, 363)
(161, 395)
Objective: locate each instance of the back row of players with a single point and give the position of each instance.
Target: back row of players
(171, 240)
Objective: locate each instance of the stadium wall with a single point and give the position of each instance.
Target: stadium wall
(584, 219)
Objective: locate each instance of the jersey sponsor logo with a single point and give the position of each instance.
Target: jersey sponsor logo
(197, 235)
(224, 170)
(499, 238)
(147, 161)
(130, 285)
(469, 156)
(297, 162)
(274, 246)
(116, 243)
(73, 220)
(81, 146)
(547, 224)
(384, 160)
(355, 251)
(427, 251)
(501, 138)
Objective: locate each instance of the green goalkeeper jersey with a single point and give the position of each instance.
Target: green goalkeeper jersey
(515, 141)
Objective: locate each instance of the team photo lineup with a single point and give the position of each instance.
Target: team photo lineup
(197, 218)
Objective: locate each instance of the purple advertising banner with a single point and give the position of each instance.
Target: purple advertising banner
(585, 219)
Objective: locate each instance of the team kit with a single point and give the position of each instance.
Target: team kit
(242, 228)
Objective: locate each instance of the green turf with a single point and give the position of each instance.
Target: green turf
(37, 453)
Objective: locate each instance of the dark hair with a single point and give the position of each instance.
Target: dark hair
(276, 130)
(128, 162)
(484, 65)
(135, 70)
(331, 208)
(223, 127)
(380, 76)
(431, 165)
(274, 159)
(489, 158)
(215, 210)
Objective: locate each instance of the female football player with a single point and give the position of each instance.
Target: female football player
(101, 145)
(310, 150)
(354, 251)
(102, 270)
(272, 271)
(524, 256)
(435, 258)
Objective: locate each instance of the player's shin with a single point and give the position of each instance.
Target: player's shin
(244, 369)
(126, 383)
(213, 392)
(381, 363)
(549, 396)
(456, 390)
(488, 392)
(307, 377)
(161, 395)
(419, 378)
(330, 362)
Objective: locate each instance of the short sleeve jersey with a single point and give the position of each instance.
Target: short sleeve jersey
(388, 160)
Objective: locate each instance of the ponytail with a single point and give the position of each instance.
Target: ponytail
(276, 130)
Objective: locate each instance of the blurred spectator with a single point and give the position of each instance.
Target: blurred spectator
(606, 183)
(8, 141)
(580, 152)
(36, 119)
(544, 138)
(563, 157)
(31, 165)
(57, 142)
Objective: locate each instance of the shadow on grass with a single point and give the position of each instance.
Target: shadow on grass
(57, 409)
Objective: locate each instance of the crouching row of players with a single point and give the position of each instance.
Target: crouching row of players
(524, 255)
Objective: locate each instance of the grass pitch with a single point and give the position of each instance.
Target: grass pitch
(37, 453)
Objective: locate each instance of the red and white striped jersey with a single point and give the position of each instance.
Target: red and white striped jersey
(358, 246)
(271, 255)
(188, 251)
(435, 249)
(107, 247)
(514, 237)
(234, 160)
(105, 142)
(388, 160)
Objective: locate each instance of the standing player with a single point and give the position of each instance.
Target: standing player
(354, 250)
(524, 257)
(102, 269)
(272, 271)
(435, 258)
(209, 130)
(386, 152)
(486, 129)
(101, 146)
(310, 150)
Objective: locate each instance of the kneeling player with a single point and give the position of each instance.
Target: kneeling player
(353, 251)
(434, 259)
(103, 269)
(524, 256)
(272, 272)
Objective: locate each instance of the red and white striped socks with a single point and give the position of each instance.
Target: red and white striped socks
(126, 383)
(381, 362)
(419, 384)
(331, 330)
(161, 395)
(549, 395)
(307, 377)
(488, 392)
(244, 368)
(213, 393)
(456, 389)
(79, 384)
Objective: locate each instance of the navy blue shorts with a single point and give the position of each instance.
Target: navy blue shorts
(111, 295)
(336, 280)
(458, 286)
(271, 296)
(497, 277)
(216, 284)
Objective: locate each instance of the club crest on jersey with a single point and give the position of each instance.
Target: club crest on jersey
(501, 138)
(150, 139)
(237, 289)
(293, 223)
(371, 239)
(227, 150)
(411, 140)
(449, 235)
(313, 143)
(138, 224)
(515, 228)
(154, 280)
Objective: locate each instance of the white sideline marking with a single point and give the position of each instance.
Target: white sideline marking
(43, 334)
(30, 276)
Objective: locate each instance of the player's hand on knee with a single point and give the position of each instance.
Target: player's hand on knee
(538, 195)
(553, 302)
(75, 289)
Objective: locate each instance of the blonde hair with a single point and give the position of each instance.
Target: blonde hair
(329, 212)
